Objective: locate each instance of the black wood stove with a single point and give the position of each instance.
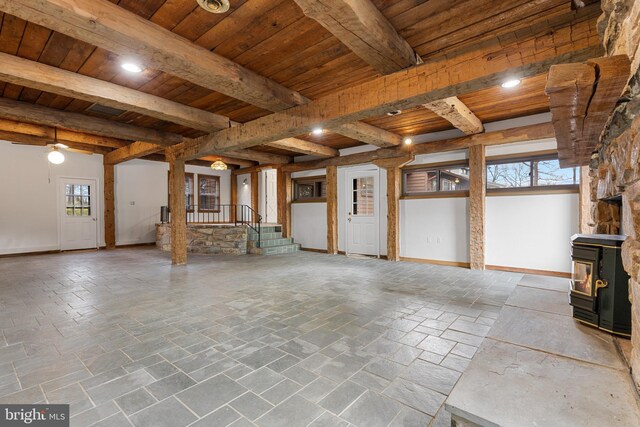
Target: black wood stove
(599, 285)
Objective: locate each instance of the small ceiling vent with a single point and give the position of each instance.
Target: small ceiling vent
(104, 110)
(214, 6)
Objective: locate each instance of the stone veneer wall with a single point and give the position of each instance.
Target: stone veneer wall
(617, 169)
(207, 238)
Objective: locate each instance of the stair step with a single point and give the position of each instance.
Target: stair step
(268, 229)
(263, 236)
(265, 243)
(276, 250)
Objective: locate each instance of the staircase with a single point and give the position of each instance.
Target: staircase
(271, 241)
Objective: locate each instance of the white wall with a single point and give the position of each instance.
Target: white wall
(29, 196)
(435, 229)
(309, 225)
(531, 231)
(244, 191)
(141, 189)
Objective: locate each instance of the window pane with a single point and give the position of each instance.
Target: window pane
(509, 175)
(68, 189)
(454, 179)
(363, 194)
(549, 172)
(421, 182)
(305, 191)
(77, 190)
(77, 211)
(85, 190)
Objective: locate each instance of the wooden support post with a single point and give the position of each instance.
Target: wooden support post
(109, 206)
(255, 194)
(477, 200)
(234, 198)
(178, 212)
(394, 189)
(284, 201)
(332, 210)
(394, 177)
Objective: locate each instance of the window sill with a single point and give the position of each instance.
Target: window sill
(320, 200)
(436, 195)
(532, 191)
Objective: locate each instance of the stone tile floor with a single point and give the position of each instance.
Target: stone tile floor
(295, 340)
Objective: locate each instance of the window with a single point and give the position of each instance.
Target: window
(363, 196)
(310, 189)
(189, 191)
(426, 180)
(78, 200)
(532, 172)
(208, 193)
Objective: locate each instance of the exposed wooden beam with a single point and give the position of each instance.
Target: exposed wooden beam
(132, 151)
(415, 86)
(362, 27)
(582, 97)
(301, 146)
(369, 134)
(64, 136)
(506, 136)
(332, 210)
(178, 207)
(51, 79)
(109, 206)
(26, 139)
(457, 113)
(259, 156)
(32, 113)
(477, 201)
(104, 24)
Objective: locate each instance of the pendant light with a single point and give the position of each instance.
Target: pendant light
(55, 157)
(219, 165)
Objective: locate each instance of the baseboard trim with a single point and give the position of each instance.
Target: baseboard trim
(529, 271)
(59, 251)
(437, 262)
(321, 251)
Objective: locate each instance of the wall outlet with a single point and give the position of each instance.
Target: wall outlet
(132, 203)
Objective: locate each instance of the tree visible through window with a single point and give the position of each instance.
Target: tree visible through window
(78, 200)
(533, 172)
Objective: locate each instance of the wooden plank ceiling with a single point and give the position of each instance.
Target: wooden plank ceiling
(275, 39)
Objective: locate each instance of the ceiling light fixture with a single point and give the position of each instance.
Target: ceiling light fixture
(408, 141)
(214, 6)
(317, 131)
(131, 67)
(510, 83)
(219, 165)
(55, 157)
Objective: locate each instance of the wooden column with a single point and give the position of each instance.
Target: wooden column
(178, 212)
(477, 200)
(255, 194)
(233, 211)
(394, 190)
(332, 210)
(284, 201)
(109, 206)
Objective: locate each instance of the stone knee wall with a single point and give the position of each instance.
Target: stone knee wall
(616, 171)
(207, 238)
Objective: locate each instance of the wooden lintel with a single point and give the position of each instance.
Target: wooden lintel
(394, 162)
(305, 147)
(369, 134)
(457, 113)
(132, 151)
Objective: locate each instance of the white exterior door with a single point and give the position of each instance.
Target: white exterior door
(78, 214)
(362, 212)
(270, 196)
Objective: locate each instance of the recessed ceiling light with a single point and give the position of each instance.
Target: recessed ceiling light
(317, 131)
(214, 6)
(408, 141)
(131, 67)
(510, 83)
(394, 112)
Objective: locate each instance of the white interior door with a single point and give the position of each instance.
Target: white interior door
(78, 214)
(362, 212)
(270, 212)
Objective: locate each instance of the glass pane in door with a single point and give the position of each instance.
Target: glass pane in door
(363, 196)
